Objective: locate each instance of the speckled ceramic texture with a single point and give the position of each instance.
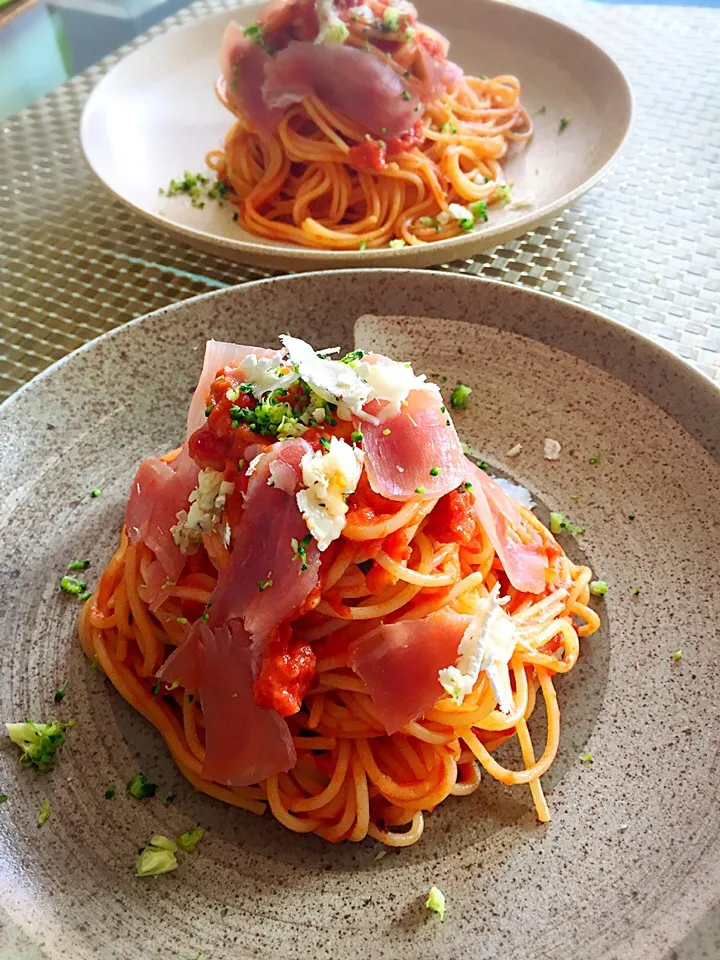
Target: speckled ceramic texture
(630, 863)
(155, 114)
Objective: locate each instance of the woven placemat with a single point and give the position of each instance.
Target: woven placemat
(642, 247)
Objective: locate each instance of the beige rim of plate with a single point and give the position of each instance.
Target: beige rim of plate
(155, 114)
(629, 865)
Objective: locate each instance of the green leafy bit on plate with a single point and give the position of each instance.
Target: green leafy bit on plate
(44, 813)
(636, 591)
(60, 692)
(398, 242)
(677, 655)
(460, 396)
(300, 550)
(479, 209)
(598, 588)
(436, 902)
(595, 458)
(198, 186)
(4, 798)
(39, 742)
(157, 857)
(97, 492)
(140, 787)
(74, 586)
(558, 524)
(564, 121)
(110, 792)
(190, 839)
(264, 584)
(586, 757)
(79, 565)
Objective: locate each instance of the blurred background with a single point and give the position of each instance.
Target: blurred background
(42, 44)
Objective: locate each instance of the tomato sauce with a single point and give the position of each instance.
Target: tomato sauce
(286, 674)
(454, 519)
(373, 154)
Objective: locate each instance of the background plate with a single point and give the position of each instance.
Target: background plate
(156, 114)
(631, 860)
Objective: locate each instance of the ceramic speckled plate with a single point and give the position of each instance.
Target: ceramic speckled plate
(156, 114)
(631, 861)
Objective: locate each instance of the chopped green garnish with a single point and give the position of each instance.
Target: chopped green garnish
(110, 792)
(44, 813)
(356, 436)
(60, 692)
(595, 458)
(586, 757)
(73, 585)
(352, 357)
(190, 839)
(539, 112)
(434, 471)
(558, 524)
(429, 222)
(467, 485)
(636, 591)
(157, 857)
(564, 121)
(300, 550)
(4, 798)
(79, 565)
(484, 76)
(406, 95)
(182, 620)
(391, 20)
(419, 489)
(97, 492)
(208, 409)
(677, 655)
(631, 516)
(598, 588)
(459, 397)
(39, 742)
(155, 689)
(397, 243)
(448, 127)
(479, 209)
(140, 787)
(436, 902)
(264, 584)
(169, 798)
(503, 194)
(386, 432)
(272, 416)
(197, 186)
(363, 245)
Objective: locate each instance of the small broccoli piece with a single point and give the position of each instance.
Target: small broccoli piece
(436, 902)
(598, 588)
(156, 858)
(44, 813)
(39, 742)
(190, 839)
(459, 397)
(140, 787)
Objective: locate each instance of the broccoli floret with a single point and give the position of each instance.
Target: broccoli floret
(39, 742)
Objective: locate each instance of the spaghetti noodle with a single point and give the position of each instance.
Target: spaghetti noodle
(394, 563)
(321, 178)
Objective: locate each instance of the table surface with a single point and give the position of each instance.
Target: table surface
(642, 247)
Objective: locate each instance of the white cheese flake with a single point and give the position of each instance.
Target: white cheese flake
(551, 449)
(516, 492)
(266, 374)
(253, 465)
(329, 478)
(331, 380)
(487, 644)
(206, 504)
(514, 451)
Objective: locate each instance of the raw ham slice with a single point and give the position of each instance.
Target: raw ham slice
(217, 355)
(524, 563)
(399, 664)
(262, 550)
(244, 743)
(158, 492)
(420, 440)
(351, 81)
(243, 63)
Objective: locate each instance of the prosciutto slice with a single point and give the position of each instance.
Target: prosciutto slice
(351, 81)
(399, 664)
(422, 439)
(262, 549)
(244, 743)
(242, 63)
(524, 563)
(158, 492)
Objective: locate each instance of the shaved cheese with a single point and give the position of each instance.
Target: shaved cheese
(390, 381)
(487, 644)
(552, 449)
(253, 465)
(329, 478)
(518, 493)
(514, 451)
(207, 502)
(266, 374)
(330, 379)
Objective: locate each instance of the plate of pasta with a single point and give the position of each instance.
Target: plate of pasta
(310, 133)
(360, 610)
